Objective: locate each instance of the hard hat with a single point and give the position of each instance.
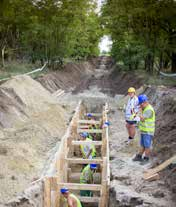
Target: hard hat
(84, 134)
(107, 123)
(64, 190)
(142, 98)
(93, 166)
(89, 115)
(131, 90)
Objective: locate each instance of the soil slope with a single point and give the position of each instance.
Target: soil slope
(32, 122)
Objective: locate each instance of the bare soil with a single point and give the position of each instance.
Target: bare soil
(32, 122)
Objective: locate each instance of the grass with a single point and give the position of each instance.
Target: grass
(148, 79)
(17, 68)
(154, 79)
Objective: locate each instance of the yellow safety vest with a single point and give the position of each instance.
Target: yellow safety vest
(85, 148)
(86, 175)
(148, 125)
(77, 200)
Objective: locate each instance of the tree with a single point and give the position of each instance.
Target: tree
(150, 26)
(50, 29)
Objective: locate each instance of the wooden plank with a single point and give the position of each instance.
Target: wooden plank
(98, 131)
(65, 171)
(104, 144)
(103, 200)
(95, 143)
(76, 175)
(58, 91)
(94, 114)
(157, 169)
(47, 192)
(78, 186)
(84, 161)
(153, 177)
(57, 195)
(89, 199)
(86, 127)
(104, 196)
(88, 122)
(83, 127)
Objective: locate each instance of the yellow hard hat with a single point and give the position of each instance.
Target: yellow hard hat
(131, 90)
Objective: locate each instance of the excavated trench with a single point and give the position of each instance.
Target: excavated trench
(96, 82)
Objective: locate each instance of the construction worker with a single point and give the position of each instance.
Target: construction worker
(147, 129)
(94, 126)
(131, 110)
(88, 150)
(71, 199)
(87, 178)
(90, 116)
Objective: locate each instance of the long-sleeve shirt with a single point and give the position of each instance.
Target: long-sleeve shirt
(131, 108)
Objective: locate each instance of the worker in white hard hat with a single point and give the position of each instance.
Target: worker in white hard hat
(131, 110)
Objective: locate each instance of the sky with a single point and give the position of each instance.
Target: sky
(105, 43)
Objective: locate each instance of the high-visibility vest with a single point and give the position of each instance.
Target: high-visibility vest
(74, 197)
(77, 200)
(85, 149)
(86, 175)
(90, 137)
(148, 125)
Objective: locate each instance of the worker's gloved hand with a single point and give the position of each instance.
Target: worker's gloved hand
(137, 118)
(132, 117)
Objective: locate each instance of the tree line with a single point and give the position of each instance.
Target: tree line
(46, 30)
(143, 32)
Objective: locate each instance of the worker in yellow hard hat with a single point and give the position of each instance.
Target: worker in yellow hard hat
(131, 110)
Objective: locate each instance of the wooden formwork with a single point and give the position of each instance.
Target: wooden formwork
(65, 157)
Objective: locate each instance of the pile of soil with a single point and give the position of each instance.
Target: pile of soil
(69, 77)
(77, 77)
(32, 123)
(164, 101)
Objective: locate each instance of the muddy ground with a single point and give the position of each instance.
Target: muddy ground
(94, 81)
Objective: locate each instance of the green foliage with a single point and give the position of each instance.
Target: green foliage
(142, 31)
(50, 29)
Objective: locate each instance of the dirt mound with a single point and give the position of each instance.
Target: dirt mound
(12, 109)
(164, 102)
(69, 77)
(32, 122)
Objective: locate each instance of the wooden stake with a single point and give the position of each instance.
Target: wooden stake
(47, 192)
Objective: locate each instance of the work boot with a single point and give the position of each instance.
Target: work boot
(144, 161)
(138, 157)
